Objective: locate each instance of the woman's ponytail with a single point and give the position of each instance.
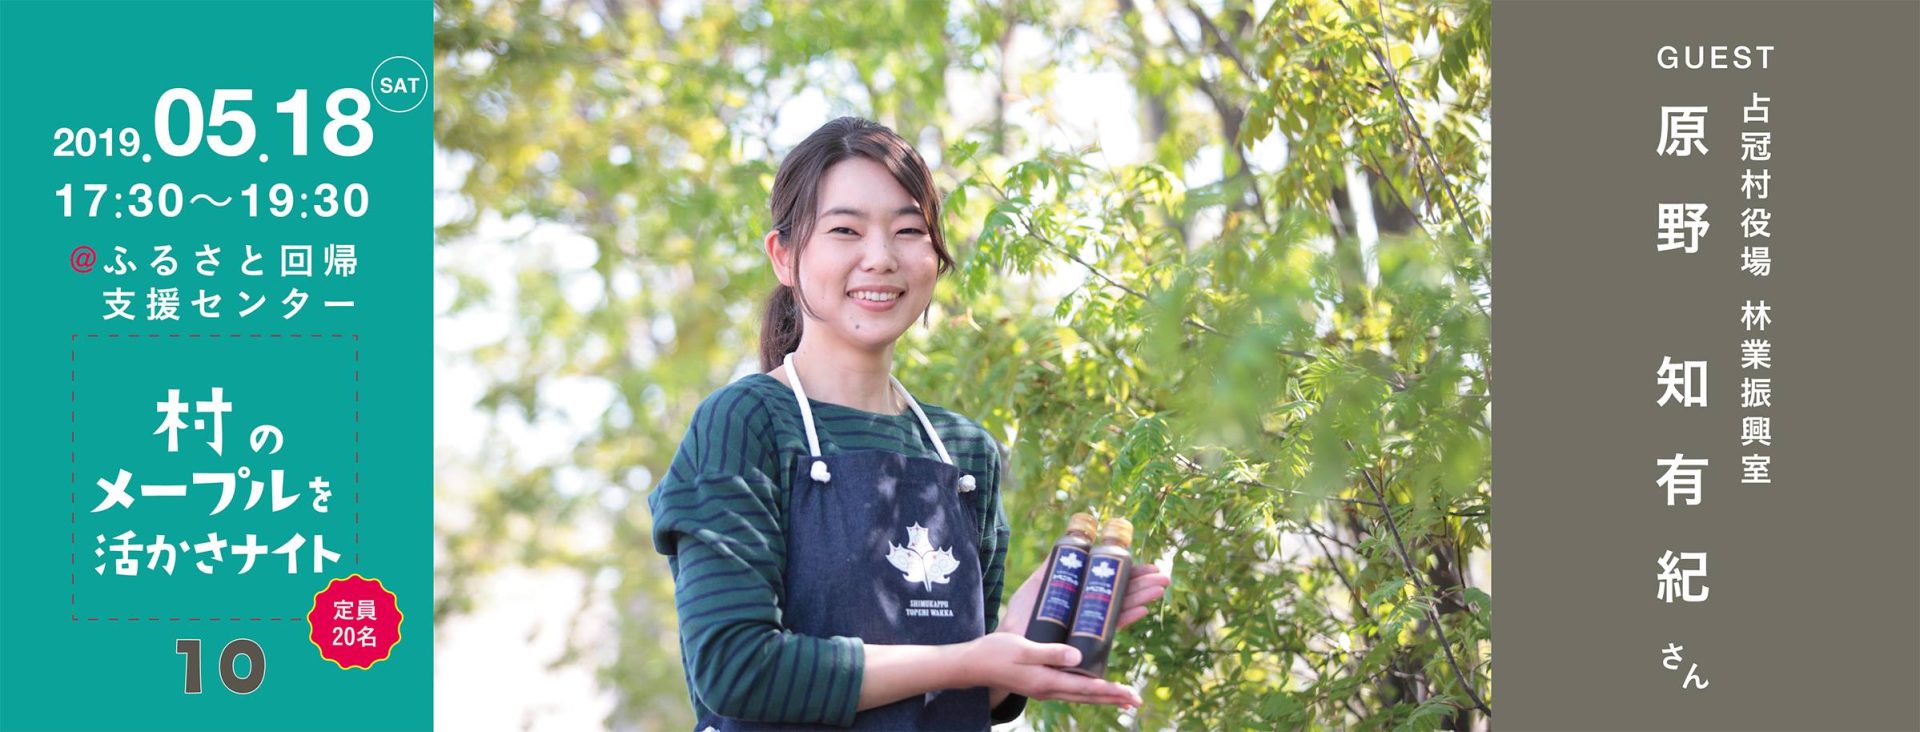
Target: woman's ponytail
(780, 327)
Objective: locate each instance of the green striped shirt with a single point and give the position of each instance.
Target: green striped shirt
(720, 516)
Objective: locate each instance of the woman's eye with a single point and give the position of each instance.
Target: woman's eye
(913, 232)
(839, 229)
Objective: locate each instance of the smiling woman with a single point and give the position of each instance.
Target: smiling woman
(839, 549)
(870, 197)
(873, 245)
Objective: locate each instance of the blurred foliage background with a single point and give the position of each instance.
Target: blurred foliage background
(1224, 272)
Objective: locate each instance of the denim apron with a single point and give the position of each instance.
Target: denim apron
(881, 546)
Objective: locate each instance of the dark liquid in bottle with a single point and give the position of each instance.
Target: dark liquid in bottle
(1066, 566)
(1102, 595)
(1053, 609)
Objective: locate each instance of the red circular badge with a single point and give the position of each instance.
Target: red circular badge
(355, 622)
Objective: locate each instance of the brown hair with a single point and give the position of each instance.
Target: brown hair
(795, 199)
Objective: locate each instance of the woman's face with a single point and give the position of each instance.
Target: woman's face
(869, 267)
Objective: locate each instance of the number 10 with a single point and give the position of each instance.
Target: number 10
(256, 660)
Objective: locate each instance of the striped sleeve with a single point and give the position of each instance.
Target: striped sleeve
(994, 537)
(718, 513)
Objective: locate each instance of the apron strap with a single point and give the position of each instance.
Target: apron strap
(925, 424)
(819, 470)
(966, 480)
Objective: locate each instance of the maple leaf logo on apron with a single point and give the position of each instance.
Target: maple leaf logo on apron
(919, 562)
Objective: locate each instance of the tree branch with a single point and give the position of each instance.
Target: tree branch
(1188, 463)
(1413, 127)
(1230, 116)
(1123, 287)
(1400, 544)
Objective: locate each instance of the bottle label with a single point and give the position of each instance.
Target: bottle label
(1095, 600)
(1056, 598)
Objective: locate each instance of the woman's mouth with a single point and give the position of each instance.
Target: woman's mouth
(876, 300)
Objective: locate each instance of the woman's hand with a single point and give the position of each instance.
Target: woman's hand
(1020, 606)
(1147, 585)
(1012, 663)
(1004, 660)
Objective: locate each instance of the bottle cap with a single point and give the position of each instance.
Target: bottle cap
(1118, 531)
(1081, 522)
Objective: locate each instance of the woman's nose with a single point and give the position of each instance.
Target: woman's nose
(876, 254)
